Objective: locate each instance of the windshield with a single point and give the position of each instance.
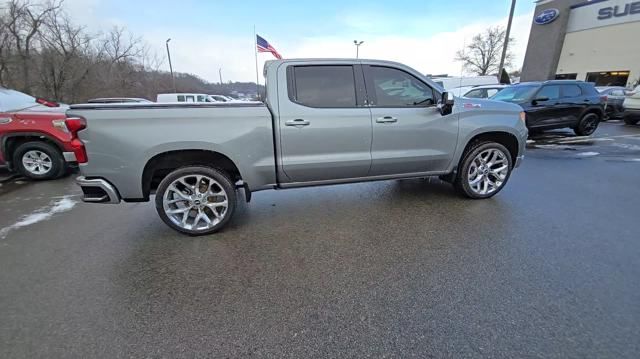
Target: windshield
(11, 100)
(515, 93)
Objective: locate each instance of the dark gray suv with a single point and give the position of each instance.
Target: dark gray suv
(557, 104)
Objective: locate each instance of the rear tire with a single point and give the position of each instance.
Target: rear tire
(588, 124)
(196, 200)
(484, 170)
(39, 161)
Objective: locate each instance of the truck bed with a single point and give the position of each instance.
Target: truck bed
(121, 139)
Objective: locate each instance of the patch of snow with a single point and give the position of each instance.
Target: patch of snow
(62, 205)
(587, 154)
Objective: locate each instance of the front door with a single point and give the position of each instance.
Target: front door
(409, 133)
(325, 128)
(546, 108)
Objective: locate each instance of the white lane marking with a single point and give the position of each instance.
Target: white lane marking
(587, 154)
(627, 146)
(64, 204)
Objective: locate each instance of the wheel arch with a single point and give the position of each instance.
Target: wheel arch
(505, 138)
(11, 141)
(161, 164)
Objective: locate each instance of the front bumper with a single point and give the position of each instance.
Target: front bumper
(98, 190)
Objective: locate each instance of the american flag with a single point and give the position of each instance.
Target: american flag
(264, 46)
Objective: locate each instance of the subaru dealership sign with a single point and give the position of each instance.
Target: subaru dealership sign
(604, 13)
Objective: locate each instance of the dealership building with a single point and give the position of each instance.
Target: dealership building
(595, 41)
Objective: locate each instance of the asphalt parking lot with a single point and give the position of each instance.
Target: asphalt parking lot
(548, 268)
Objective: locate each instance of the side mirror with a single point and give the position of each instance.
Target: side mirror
(539, 99)
(445, 105)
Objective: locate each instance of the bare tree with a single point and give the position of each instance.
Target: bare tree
(24, 20)
(482, 55)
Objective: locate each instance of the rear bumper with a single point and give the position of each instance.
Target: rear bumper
(632, 113)
(518, 161)
(98, 190)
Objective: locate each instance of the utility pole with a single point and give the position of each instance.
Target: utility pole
(357, 43)
(171, 66)
(220, 73)
(506, 39)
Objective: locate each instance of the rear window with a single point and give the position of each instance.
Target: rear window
(324, 86)
(571, 91)
(589, 89)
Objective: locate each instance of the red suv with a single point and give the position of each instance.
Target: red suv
(34, 139)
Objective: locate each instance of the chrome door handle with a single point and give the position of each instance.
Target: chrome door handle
(297, 122)
(386, 119)
(5, 120)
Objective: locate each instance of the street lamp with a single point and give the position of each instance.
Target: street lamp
(357, 43)
(506, 39)
(220, 73)
(171, 66)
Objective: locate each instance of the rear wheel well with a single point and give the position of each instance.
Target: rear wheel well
(596, 111)
(162, 164)
(504, 138)
(10, 144)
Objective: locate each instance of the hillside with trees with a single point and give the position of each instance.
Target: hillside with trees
(45, 54)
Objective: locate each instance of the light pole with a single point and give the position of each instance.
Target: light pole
(171, 66)
(506, 39)
(357, 43)
(220, 73)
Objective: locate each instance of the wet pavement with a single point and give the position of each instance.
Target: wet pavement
(548, 268)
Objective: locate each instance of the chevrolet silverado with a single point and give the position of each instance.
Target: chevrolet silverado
(324, 121)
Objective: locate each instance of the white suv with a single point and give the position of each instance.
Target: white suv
(631, 106)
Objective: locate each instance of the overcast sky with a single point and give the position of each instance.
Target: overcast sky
(209, 34)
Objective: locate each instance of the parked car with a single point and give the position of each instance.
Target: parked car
(613, 101)
(484, 91)
(118, 100)
(631, 107)
(324, 122)
(450, 83)
(34, 139)
(222, 98)
(184, 97)
(557, 104)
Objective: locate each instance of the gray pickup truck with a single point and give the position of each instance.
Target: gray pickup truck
(324, 121)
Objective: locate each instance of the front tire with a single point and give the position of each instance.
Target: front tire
(484, 170)
(196, 200)
(587, 125)
(39, 161)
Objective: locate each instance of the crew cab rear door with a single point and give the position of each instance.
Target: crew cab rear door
(324, 125)
(409, 133)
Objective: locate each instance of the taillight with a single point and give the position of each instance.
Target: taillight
(523, 117)
(75, 124)
(604, 98)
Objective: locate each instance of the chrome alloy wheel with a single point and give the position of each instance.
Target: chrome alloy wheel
(37, 162)
(488, 171)
(195, 202)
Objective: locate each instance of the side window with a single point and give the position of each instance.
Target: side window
(201, 98)
(617, 93)
(190, 98)
(396, 88)
(552, 92)
(180, 98)
(479, 93)
(324, 86)
(569, 91)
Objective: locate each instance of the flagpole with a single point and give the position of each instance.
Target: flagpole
(255, 49)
